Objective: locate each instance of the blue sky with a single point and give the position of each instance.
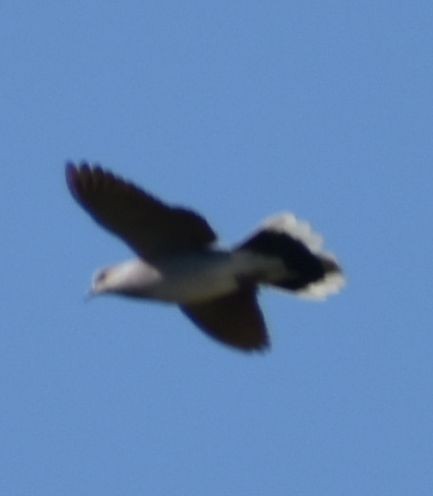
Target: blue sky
(240, 110)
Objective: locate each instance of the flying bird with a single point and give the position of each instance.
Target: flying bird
(179, 261)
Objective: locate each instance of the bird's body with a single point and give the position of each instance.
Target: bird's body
(203, 275)
(179, 262)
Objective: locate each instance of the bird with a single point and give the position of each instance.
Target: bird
(178, 260)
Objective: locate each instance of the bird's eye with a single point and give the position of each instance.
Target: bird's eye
(101, 276)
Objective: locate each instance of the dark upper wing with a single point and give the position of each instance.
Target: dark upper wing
(235, 319)
(147, 225)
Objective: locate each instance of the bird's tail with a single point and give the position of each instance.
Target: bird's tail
(309, 271)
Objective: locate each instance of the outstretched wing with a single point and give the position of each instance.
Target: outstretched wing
(235, 319)
(150, 227)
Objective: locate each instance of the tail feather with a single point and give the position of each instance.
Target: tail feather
(310, 271)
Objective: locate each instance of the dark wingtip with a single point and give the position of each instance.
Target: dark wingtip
(69, 166)
(260, 349)
(75, 175)
(74, 171)
(71, 174)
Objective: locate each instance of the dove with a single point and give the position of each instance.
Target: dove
(178, 260)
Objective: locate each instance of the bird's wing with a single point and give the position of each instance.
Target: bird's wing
(235, 319)
(150, 227)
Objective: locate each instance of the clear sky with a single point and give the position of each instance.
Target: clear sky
(239, 110)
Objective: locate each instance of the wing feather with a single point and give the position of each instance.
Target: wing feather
(149, 226)
(235, 319)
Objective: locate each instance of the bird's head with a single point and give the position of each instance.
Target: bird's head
(130, 278)
(104, 281)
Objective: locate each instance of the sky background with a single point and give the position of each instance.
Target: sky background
(240, 110)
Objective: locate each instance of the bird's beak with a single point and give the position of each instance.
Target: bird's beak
(89, 295)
